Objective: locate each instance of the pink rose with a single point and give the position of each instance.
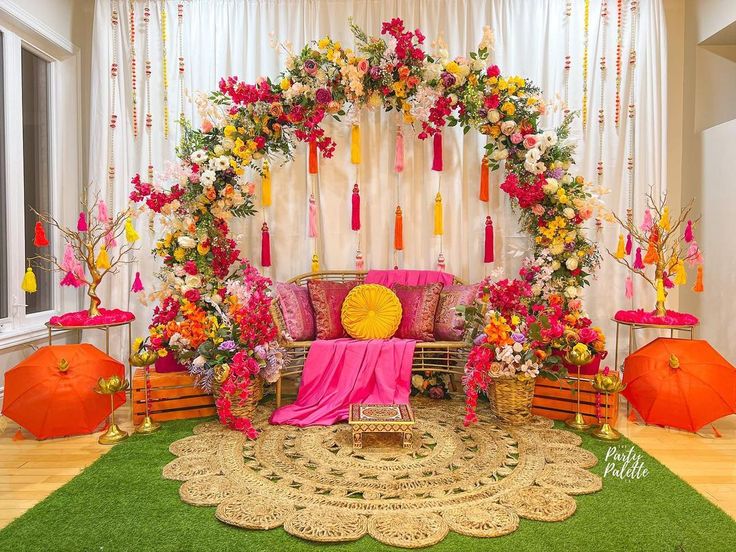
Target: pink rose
(575, 304)
(323, 96)
(206, 125)
(516, 138)
(538, 210)
(363, 65)
(250, 188)
(530, 141)
(588, 335)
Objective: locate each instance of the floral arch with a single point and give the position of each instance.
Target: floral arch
(205, 283)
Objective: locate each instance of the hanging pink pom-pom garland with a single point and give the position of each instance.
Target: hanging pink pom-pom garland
(137, 283)
(355, 214)
(102, 215)
(488, 254)
(437, 161)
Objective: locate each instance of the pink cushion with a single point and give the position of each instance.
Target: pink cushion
(449, 325)
(327, 299)
(419, 304)
(297, 311)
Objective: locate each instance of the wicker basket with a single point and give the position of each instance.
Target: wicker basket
(511, 400)
(246, 408)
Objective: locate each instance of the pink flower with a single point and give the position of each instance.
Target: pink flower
(575, 304)
(530, 141)
(587, 335)
(250, 188)
(206, 125)
(493, 71)
(323, 96)
(363, 65)
(516, 138)
(538, 210)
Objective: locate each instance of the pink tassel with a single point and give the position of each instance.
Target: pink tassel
(355, 215)
(137, 283)
(313, 233)
(68, 262)
(359, 261)
(78, 270)
(488, 256)
(646, 226)
(71, 280)
(629, 244)
(102, 215)
(265, 246)
(667, 281)
(399, 156)
(638, 262)
(689, 231)
(437, 157)
(694, 256)
(110, 240)
(82, 223)
(441, 264)
(629, 287)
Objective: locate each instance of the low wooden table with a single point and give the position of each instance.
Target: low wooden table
(381, 418)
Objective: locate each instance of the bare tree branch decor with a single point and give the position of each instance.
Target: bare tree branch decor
(91, 251)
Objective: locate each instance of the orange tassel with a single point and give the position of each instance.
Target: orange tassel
(652, 256)
(39, 237)
(698, 287)
(484, 177)
(398, 230)
(313, 158)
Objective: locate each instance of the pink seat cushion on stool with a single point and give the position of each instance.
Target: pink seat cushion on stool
(419, 305)
(448, 324)
(297, 311)
(327, 299)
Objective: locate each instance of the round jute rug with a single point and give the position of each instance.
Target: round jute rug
(476, 480)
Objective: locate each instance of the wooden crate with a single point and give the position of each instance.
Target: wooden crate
(558, 399)
(173, 397)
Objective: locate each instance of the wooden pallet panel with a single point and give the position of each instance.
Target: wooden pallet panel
(558, 400)
(173, 396)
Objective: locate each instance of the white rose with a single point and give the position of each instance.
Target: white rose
(566, 179)
(518, 347)
(494, 116)
(551, 186)
(199, 156)
(221, 163)
(549, 137)
(218, 149)
(533, 155)
(208, 177)
(499, 154)
(478, 65)
(569, 212)
(571, 263)
(432, 72)
(507, 127)
(192, 281)
(186, 242)
(199, 361)
(215, 298)
(555, 265)
(571, 292)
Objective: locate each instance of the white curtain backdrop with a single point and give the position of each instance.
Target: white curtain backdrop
(234, 37)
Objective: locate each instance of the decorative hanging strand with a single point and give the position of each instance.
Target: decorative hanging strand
(355, 144)
(632, 106)
(399, 151)
(601, 114)
(398, 215)
(398, 230)
(313, 164)
(165, 68)
(313, 231)
(355, 211)
(619, 51)
(147, 92)
(484, 180)
(133, 76)
(568, 58)
(113, 121)
(180, 41)
(488, 254)
(437, 162)
(586, 28)
(265, 246)
(266, 184)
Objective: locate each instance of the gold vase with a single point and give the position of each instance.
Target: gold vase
(109, 387)
(578, 356)
(607, 384)
(144, 359)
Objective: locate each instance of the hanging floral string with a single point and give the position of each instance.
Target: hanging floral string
(180, 40)
(147, 91)
(398, 215)
(133, 76)
(438, 165)
(265, 202)
(632, 106)
(265, 245)
(568, 57)
(355, 159)
(112, 108)
(604, 72)
(586, 29)
(488, 253)
(619, 52)
(165, 68)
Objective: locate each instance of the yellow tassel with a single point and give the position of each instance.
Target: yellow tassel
(130, 234)
(266, 185)
(438, 226)
(664, 222)
(680, 278)
(103, 261)
(355, 145)
(29, 281)
(660, 291)
(621, 249)
(697, 288)
(315, 263)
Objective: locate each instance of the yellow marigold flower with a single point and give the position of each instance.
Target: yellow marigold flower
(179, 254)
(399, 89)
(508, 108)
(229, 130)
(515, 320)
(337, 46)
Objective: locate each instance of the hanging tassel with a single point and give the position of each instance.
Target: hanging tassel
(680, 273)
(313, 233)
(485, 172)
(621, 248)
(668, 283)
(646, 225)
(315, 263)
(103, 261)
(438, 226)
(71, 280)
(629, 287)
(102, 215)
(266, 185)
(29, 281)
(437, 156)
(131, 235)
(355, 214)
(110, 241)
(488, 256)
(82, 222)
(355, 145)
(68, 260)
(137, 283)
(359, 262)
(629, 244)
(313, 166)
(698, 287)
(39, 236)
(265, 246)
(441, 262)
(78, 270)
(694, 256)
(638, 263)
(399, 230)
(689, 232)
(399, 153)
(652, 256)
(660, 291)
(664, 222)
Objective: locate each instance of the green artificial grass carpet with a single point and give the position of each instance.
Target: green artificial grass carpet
(122, 503)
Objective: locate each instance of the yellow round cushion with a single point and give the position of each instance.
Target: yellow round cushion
(371, 311)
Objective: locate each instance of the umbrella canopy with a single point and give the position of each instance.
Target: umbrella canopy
(51, 392)
(680, 383)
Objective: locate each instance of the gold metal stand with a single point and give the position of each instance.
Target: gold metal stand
(577, 422)
(145, 359)
(111, 386)
(607, 383)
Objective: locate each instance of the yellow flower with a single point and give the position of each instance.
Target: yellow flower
(179, 254)
(512, 88)
(515, 320)
(495, 131)
(137, 344)
(337, 45)
(502, 84)
(229, 130)
(323, 43)
(472, 80)
(162, 353)
(285, 84)
(508, 108)
(579, 179)
(408, 118)
(399, 89)
(203, 249)
(453, 68)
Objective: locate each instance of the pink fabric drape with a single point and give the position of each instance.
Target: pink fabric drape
(340, 372)
(408, 277)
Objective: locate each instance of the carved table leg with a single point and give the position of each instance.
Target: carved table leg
(407, 440)
(357, 439)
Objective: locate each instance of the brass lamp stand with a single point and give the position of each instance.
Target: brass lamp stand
(607, 383)
(111, 386)
(578, 356)
(144, 359)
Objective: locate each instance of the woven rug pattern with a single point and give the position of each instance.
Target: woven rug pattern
(477, 481)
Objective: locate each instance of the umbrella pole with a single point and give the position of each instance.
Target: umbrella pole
(577, 421)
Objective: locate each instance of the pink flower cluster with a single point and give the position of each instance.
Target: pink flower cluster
(527, 194)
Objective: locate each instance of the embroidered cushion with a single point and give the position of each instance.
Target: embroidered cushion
(449, 325)
(418, 305)
(371, 311)
(327, 299)
(296, 309)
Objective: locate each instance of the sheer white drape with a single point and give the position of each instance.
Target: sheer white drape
(233, 37)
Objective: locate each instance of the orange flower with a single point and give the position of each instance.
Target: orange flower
(403, 72)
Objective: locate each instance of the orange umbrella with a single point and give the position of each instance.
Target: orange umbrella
(680, 383)
(51, 392)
